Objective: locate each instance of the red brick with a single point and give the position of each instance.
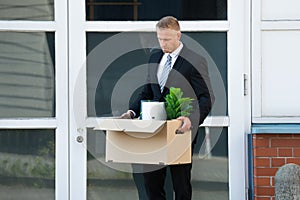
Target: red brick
(296, 152)
(265, 181)
(296, 135)
(286, 136)
(265, 152)
(285, 152)
(278, 162)
(285, 142)
(265, 191)
(266, 136)
(262, 198)
(262, 162)
(273, 135)
(273, 181)
(293, 160)
(261, 136)
(265, 171)
(261, 143)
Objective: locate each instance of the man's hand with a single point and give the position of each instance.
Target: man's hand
(186, 124)
(127, 115)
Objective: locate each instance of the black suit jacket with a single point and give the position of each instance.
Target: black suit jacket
(190, 73)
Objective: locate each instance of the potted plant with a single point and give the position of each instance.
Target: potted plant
(176, 105)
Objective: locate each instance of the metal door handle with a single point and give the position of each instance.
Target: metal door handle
(79, 139)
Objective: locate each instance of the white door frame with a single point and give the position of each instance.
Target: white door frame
(238, 104)
(239, 93)
(59, 123)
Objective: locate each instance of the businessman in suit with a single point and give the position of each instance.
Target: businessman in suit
(188, 71)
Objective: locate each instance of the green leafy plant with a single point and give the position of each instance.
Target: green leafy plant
(176, 105)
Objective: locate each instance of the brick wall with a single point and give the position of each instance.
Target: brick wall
(271, 151)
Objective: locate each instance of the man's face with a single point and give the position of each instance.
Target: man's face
(168, 39)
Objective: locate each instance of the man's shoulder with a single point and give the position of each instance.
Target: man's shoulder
(191, 55)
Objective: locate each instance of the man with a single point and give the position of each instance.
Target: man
(189, 72)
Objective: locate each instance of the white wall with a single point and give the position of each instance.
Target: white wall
(280, 9)
(280, 73)
(276, 61)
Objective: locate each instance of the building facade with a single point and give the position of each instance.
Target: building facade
(63, 64)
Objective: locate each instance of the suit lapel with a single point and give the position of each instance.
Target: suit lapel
(179, 62)
(177, 65)
(155, 61)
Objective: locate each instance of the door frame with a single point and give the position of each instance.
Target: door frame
(60, 122)
(238, 103)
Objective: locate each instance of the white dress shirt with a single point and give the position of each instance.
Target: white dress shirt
(174, 56)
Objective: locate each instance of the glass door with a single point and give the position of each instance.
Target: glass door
(110, 43)
(34, 100)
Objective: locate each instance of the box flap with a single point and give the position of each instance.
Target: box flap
(129, 125)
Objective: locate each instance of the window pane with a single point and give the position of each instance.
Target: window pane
(210, 164)
(121, 67)
(154, 10)
(27, 164)
(27, 10)
(104, 182)
(209, 173)
(27, 84)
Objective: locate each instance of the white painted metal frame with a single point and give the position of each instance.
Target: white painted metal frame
(77, 52)
(238, 122)
(237, 104)
(60, 121)
(258, 25)
(247, 87)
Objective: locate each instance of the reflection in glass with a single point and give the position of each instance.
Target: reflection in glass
(27, 86)
(210, 164)
(209, 173)
(110, 79)
(154, 10)
(27, 164)
(34, 10)
(104, 182)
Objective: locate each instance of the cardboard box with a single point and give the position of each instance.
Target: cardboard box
(145, 141)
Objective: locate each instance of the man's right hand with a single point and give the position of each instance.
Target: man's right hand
(128, 115)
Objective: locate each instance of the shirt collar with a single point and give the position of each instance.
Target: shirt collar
(175, 53)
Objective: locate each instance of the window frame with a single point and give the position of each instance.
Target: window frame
(239, 106)
(260, 25)
(60, 122)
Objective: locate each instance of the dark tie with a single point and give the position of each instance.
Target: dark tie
(165, 73)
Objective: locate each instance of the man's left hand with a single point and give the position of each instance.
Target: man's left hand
(186, 124)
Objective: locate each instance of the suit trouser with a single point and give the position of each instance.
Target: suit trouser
(181, 179)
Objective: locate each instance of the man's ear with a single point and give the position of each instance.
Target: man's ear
(178, 35)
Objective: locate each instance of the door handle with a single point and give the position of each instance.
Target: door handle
(79, 139)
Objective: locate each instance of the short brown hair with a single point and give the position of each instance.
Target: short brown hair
(168, 22)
